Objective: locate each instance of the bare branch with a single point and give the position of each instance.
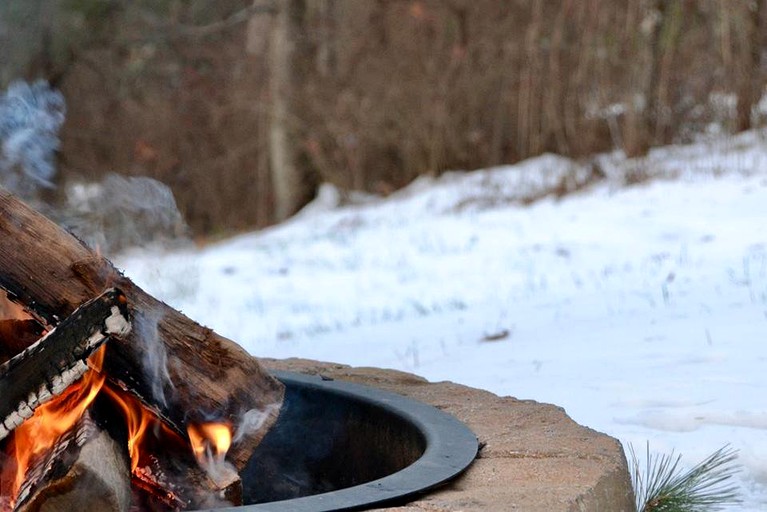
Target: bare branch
(177, 30)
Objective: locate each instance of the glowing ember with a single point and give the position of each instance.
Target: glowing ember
(210, 441)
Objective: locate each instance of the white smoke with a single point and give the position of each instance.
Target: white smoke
(112, 214)
(121, 212)
(155, 355)
(30, 118)
(254, 420)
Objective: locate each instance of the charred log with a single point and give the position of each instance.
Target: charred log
(47, 367)
(85, 470)
(152, 490)
(177, 483)
(51, 273)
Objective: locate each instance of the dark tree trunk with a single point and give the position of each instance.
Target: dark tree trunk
(749, 66)
(645, 125)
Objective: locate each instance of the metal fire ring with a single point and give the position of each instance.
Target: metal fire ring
(450, 449)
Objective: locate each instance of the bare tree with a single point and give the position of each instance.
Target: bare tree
(327, 52)
(646, 123)
(292, 181)
(369, 95)
(748, 73)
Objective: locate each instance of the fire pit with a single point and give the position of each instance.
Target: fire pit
(342, 446)
(95, 371)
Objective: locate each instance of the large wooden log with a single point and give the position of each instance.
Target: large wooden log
(52, 272)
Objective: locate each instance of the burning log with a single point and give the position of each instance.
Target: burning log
(166, 475)
(52, 273)
(159, 486)
(47, 367)
(86, 470)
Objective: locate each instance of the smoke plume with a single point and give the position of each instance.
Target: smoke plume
(155, 356)
(253, 420)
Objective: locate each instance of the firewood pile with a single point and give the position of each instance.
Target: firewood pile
(109, 398)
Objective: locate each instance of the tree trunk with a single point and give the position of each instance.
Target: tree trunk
(644, 126)
(327, 52)
(292, 181)
(748, 72)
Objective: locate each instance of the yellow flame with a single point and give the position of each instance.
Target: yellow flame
(137, 420)
(209, 440)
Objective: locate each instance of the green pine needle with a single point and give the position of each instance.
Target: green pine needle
(664, 487)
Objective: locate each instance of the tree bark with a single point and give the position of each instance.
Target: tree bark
(292, 181)
(208, 376)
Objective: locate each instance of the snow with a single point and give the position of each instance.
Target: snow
(642, 310)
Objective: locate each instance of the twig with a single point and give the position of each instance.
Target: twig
(176, 30)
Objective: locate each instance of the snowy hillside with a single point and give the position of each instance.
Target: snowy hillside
(642, 310)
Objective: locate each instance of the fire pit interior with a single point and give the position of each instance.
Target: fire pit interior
(341, 446)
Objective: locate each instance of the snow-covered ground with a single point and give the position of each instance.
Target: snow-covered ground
(642, 310)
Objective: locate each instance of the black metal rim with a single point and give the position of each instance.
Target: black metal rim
(450, 449)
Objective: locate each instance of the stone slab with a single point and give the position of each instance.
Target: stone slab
(533, 457)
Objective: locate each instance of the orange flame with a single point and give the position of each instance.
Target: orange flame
(210, 441)
(52, 419)
(137, 420)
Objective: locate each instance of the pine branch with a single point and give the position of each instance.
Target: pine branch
(663, 487)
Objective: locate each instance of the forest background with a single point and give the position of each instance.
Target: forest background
(243, 108)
